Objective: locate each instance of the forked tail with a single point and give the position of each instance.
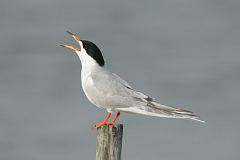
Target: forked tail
(159, 110)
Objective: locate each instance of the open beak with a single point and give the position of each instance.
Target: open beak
(76, 38)
(70, 47)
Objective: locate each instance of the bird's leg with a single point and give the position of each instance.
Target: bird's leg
(104, 122)
(114, 119)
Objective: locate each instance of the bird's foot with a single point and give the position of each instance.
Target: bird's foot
(110, 123)
(102, 124)
(105, 122)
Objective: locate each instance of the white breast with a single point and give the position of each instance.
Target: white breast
(88, 88)
(103, 88)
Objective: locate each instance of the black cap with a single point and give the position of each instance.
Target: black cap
(93, 51)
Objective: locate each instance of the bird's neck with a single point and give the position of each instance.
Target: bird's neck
(88, 64)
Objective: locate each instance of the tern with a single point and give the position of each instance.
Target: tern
(107, 90)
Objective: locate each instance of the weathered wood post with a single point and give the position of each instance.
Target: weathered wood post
(109, 142)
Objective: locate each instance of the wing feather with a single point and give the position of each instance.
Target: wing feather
(121, 96)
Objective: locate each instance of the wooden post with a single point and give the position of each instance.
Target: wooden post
(109, 142)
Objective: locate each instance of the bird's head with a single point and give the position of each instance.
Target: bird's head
(87, 51)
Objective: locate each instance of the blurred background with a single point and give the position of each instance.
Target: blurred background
(182, 52)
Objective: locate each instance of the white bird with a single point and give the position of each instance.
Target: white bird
(107, 90)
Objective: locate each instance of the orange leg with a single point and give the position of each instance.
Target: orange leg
(104, 122)
(114, 119)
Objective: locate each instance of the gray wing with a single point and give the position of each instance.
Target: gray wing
(121, 96)
(110, 90)
(120, 80)
(111, 84)
(152, 108)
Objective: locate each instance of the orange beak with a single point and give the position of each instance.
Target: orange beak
(71, 48)
(76, 38)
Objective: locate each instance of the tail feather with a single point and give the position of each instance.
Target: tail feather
(152, 108)
(171, 112)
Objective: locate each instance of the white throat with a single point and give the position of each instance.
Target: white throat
(88, 63)
(89, 66)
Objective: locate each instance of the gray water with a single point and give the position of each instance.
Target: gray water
(182, 52)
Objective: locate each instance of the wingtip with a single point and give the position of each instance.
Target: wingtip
(197, 119)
